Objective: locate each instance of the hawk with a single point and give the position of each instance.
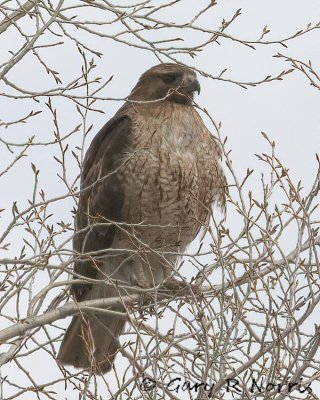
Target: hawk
(149, 179)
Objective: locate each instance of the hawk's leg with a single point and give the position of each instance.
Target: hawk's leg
(167, 272)
(139, 277)
(169, 281)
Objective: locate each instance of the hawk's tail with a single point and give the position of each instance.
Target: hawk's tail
(91, 342)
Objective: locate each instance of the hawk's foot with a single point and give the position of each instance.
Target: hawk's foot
(180, 287)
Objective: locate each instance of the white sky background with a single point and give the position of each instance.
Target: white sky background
(288, 111)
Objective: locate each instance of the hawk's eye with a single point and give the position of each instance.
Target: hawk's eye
(169, 78)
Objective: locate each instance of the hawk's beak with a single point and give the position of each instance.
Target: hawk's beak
(193, 86)
(196, 86)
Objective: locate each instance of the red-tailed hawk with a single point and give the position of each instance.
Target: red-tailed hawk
(148, 182)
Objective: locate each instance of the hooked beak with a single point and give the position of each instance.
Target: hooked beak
(195, 86)
(192, 85)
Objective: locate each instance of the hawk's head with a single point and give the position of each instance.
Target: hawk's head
(170, 82)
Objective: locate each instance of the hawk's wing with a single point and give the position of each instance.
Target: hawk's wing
(101, 197)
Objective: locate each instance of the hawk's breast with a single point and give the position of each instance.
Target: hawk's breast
(171, 175)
